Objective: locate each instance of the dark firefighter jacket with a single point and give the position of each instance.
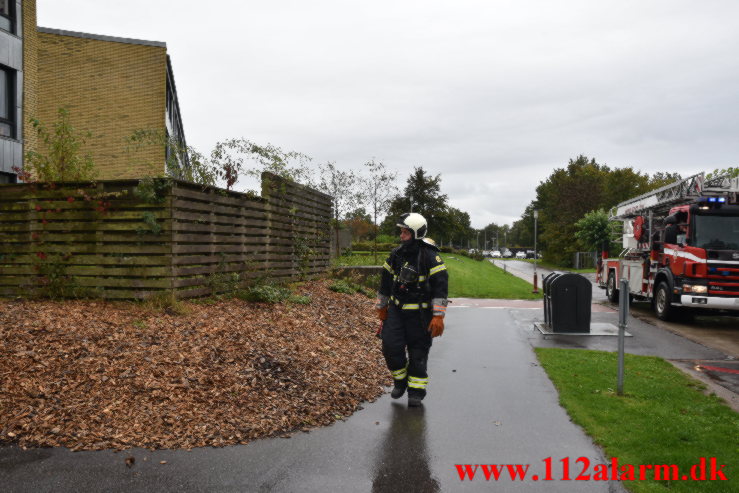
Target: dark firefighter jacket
(415, 277)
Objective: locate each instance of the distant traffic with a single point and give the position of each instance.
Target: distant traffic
(518, 253)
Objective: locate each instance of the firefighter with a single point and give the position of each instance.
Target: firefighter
(412, 302)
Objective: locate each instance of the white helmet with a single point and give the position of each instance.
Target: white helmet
(415, 222)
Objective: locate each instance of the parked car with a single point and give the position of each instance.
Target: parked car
(496, 254)
(507, 254)
(521, 254)
(530, 254)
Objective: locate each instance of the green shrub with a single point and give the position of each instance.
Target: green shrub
(265, 293)
(477, 256)
(343, 286)
(224, 283)
(368, 292)
(347, 287)
(300, 299)
(372, 281)
(387, 239)
(367, 246)
(165, 302)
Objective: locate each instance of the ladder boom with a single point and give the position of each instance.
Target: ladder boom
(660, 201)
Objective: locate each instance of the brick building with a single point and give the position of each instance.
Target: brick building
(17, 65)
(111, 87)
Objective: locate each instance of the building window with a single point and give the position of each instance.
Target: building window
(7, 102)
(7, 15)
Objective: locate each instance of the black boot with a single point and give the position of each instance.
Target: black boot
(399, 388)
(415, 397)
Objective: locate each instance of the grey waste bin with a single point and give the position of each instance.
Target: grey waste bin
(545, 283)
(567, 299)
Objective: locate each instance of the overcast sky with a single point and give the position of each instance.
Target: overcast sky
(491, 94)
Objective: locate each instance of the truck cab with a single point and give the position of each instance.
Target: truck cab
(699, 258)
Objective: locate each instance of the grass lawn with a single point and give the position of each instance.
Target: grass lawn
(480, 279)
(663, 418)
(467, 278)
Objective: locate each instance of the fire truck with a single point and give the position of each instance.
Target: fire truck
(680, 248)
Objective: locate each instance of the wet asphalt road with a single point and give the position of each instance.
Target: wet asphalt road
(718, 332)
(489, 402)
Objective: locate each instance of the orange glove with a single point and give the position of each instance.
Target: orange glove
(436, 327)
(382, 313)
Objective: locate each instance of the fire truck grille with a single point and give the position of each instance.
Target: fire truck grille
(724, 289)
(728, 272)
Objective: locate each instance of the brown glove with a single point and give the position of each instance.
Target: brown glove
(436, 327)
(382, 313)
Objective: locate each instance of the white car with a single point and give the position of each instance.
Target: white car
(521, 254)
(507, 254)
(496, 254)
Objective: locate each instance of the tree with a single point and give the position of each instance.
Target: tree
(62, 160)
(583, 186)
(422, 194)
(378, 189)
(721, 172)
(452, 224)
(595, 231)
(359, 213)
(522, 231)
(341, 186)
(359, 223)
(495, 235)
(181, 162)
(233, 158)
(663, 178)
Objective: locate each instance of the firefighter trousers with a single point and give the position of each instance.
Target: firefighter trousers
(406, 342)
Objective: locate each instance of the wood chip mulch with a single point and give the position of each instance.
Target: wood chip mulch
(92, 375)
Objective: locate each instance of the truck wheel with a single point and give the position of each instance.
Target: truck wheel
(611, 291)
(663, 302)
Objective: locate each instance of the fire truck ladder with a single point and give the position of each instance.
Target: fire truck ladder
(659, 201)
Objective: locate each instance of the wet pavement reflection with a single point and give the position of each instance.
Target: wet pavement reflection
(402, 459)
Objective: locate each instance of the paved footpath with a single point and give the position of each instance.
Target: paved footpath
(489, 402)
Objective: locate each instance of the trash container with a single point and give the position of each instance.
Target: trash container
(545, 285)
(567, 299)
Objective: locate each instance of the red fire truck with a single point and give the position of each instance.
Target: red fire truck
(681, 247)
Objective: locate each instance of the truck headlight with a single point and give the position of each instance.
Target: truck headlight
(693, 288)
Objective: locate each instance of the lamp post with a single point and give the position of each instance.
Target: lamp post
(536, 254)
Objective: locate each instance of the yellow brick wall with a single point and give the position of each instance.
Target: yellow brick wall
(30, 73)
(111, 89)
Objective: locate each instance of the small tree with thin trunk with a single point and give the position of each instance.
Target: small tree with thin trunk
(342, 187)
(63, 159)
(378, 191)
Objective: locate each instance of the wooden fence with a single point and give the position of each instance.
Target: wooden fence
(127, 239)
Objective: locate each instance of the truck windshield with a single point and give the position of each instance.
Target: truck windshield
(717, 232)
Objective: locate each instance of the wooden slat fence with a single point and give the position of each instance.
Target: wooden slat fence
(187, 240)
